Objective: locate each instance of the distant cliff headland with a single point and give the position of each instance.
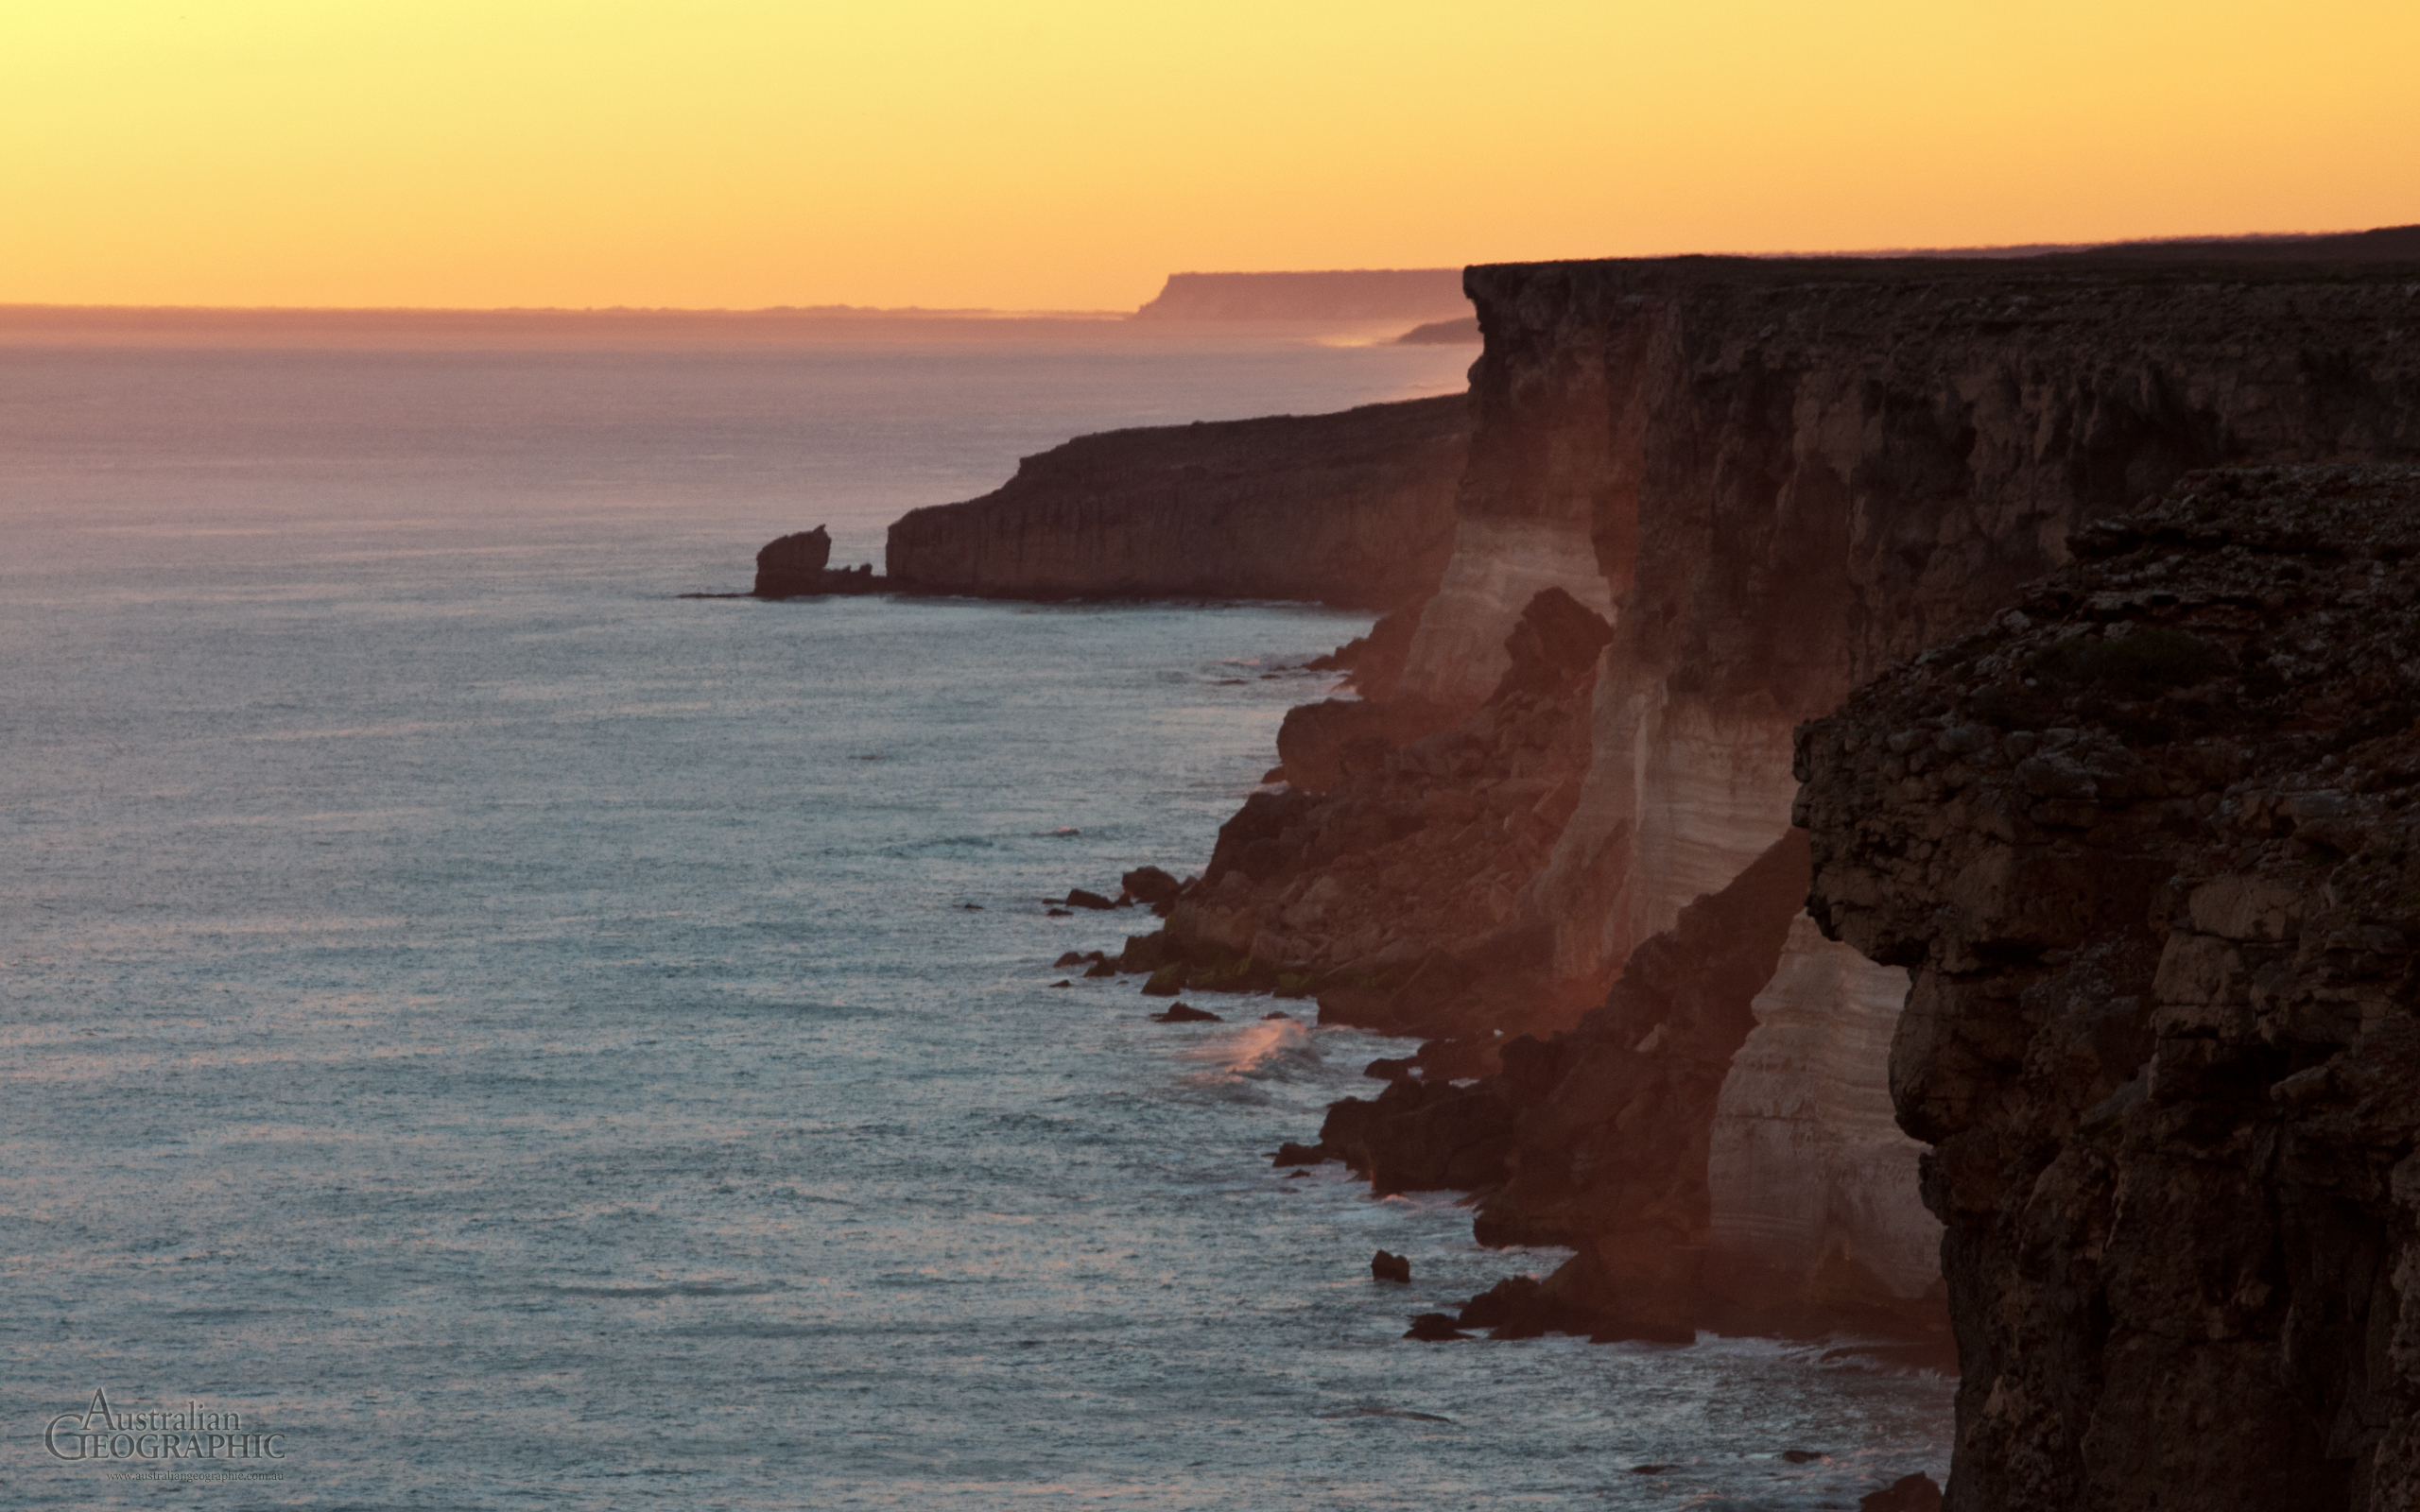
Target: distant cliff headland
(1364, 295)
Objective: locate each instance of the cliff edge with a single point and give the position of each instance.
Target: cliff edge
(1354, 510)
(2149, 846)
(1770, 481)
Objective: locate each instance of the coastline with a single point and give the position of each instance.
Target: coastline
(1567, 858)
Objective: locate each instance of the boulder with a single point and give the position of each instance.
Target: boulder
(1434, 1328)
(1182, 1013)
(1910, 1493)
(1389, 1268)
(1322, 743)
(1149, 886)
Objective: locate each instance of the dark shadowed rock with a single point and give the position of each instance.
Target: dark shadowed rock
(1145, 953)
(1102, 968)
(2150, 848)
(1079, 897)
(1322, 743)
(1149, 886)
(793, 564)
(1553, 646)
(1434, 1328)
(1071, 958)
(1184, 1013)
(1913, 1493)
(1374, 661)
(1290, 1152)
(1385, 1267)
(1354, 510)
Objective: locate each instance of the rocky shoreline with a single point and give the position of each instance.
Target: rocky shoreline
(1569, 860)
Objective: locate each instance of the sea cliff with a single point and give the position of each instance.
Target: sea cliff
(2148, 845)
(1354, 510)
(1764, 483)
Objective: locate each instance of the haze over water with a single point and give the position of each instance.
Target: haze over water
(523, 1035)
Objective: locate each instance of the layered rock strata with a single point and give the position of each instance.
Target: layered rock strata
(1354, 510)
(2150, 846)
(1774, 479)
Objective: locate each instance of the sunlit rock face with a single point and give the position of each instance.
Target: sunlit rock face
(1808, 1172)
(1679, 796)
(1498, 567)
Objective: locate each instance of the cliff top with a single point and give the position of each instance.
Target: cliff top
(2385, 254)
(1323, 442)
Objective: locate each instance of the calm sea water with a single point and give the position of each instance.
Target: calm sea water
(524, 1036)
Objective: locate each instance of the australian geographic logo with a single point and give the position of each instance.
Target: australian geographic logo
(194, 1434)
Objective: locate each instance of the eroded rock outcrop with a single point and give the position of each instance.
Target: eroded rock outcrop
(2150, 847)
(1354, 509)
(1413, 854)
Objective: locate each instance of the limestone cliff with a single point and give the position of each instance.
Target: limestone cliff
(1354, 509)
(2149, 845)
(1773, 480)
(1786, 478)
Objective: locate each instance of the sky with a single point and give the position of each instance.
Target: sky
(741, 154)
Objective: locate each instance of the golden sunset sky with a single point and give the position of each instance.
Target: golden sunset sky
(739, 154)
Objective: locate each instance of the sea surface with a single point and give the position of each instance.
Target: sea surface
(531, 1039)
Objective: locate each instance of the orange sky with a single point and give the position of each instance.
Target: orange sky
(734, 153)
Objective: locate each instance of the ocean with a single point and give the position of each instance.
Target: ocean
(527, 1038)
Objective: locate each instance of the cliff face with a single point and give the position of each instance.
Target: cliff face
(1773, 480)
(2149, 846)
(1354, 509)
(1788, 483)
(1419, 842)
